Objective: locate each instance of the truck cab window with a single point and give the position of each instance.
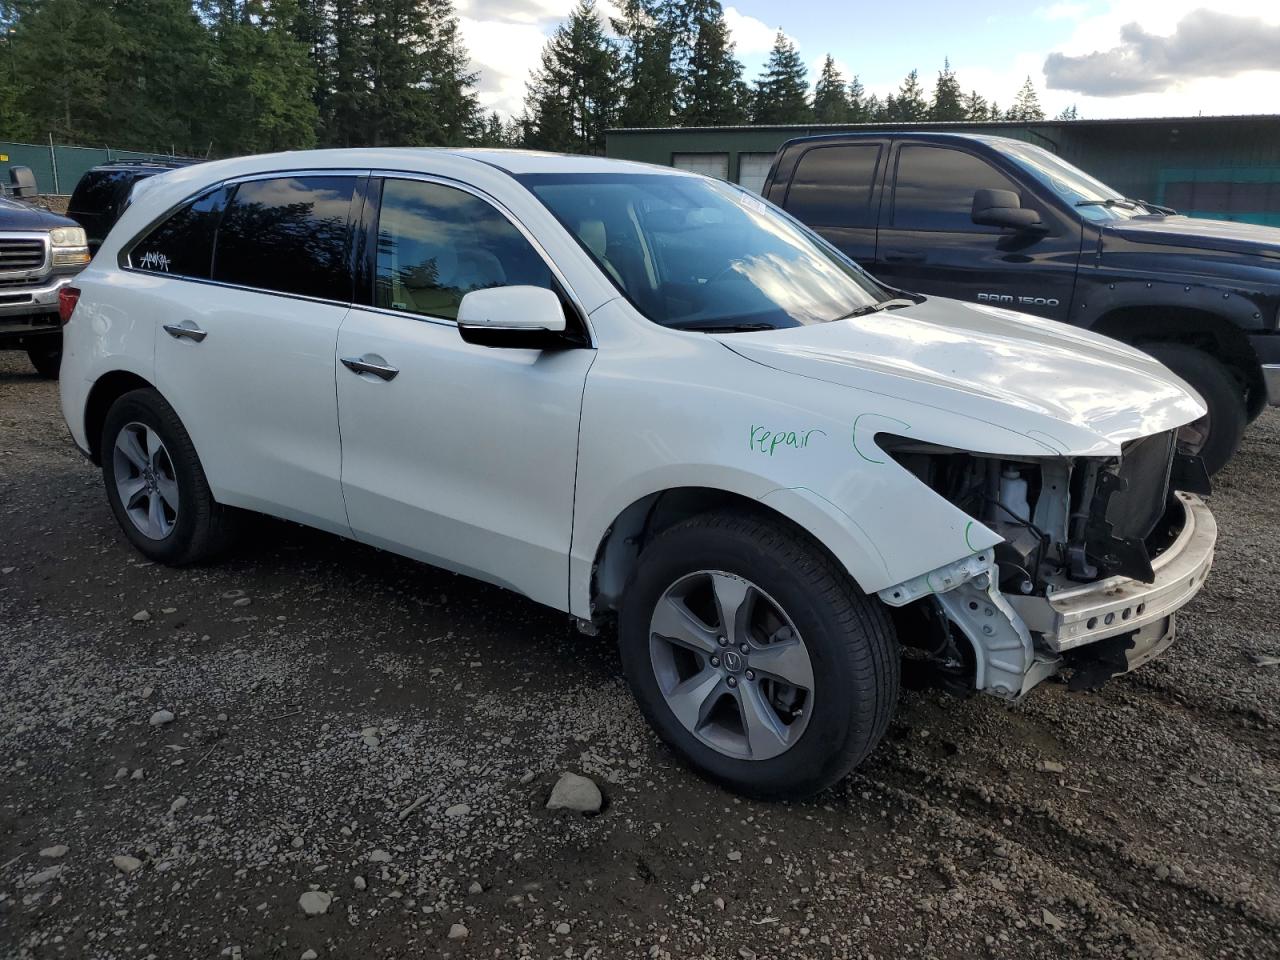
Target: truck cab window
(934, 188)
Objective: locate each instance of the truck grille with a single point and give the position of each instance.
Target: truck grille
(21, 253)
(1145, 464)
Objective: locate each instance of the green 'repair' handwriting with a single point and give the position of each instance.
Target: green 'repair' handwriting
(768, 441)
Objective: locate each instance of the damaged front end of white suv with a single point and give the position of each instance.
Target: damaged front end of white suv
(1097, 555)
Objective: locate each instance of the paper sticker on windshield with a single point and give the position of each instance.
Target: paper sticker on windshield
(751, 203)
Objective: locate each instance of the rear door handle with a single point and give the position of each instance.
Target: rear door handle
(363, 365)
(186, 330)
(904, 256)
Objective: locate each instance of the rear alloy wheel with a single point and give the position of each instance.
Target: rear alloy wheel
(755, 656)
(155, 484)
(145, 480)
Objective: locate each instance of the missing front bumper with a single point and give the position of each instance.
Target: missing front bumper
(1100, 629)
(1070, 618)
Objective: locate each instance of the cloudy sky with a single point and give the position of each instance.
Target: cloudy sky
(1112, 58)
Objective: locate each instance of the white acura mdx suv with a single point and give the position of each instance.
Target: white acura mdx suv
(640, 395)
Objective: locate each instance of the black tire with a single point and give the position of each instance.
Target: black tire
(202, 528)
(1227, 416)
(46, 359)
(849, 639)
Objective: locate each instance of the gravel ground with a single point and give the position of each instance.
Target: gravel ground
(320, 689)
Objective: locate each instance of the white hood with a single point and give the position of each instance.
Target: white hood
(1072, 391)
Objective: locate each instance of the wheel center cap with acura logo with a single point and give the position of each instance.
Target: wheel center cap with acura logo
(733, 661)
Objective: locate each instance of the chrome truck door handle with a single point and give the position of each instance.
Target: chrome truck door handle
(186, 330)
(361, 365)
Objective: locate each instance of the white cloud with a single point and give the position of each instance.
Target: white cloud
(505, 40)
(1251, 92)
(1064, 10)
(750, 35)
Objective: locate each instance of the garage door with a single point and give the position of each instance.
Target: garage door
(708, 164)
(752, 169)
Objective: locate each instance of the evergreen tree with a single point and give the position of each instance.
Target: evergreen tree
(830, 101)
(1026, 106)
(711, 91)
(947, 96)
(908, 105)
(976, 107)
(781, 94)
(573, 97)
(648, 40)
(995, 113)
(877, 110)
(1068, 113)
(398, 76)
(61, 50)
(861, 109)
(259, 92)
(156, 79)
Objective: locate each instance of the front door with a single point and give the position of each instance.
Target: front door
(460, 455)
(928, 244)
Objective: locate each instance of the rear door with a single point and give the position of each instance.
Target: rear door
(927, 242)
(247, 359)
(835, 188)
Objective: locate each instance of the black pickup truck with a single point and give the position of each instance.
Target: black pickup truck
(1004, 222)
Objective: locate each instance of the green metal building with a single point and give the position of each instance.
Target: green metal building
(1225, 167)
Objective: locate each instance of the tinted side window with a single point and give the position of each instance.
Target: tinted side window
(182, 244)
(935, 186)
(288, 234)
(832, 186)
(100, 191)
(436, 244)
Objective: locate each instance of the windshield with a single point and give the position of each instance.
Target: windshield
(698, 254)
(1075, 186)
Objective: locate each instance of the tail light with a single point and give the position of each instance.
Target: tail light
(68, 297)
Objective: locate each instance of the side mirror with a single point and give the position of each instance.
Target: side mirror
(526, 317)
(1003, 208)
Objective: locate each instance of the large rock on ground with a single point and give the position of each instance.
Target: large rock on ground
(573, 792)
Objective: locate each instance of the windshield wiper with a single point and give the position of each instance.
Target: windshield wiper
(1128, 204)
(1109, 202)
(722, 327)
(896, 303)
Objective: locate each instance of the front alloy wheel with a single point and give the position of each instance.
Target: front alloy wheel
(731, 665)
(145, 480)
(754, 655)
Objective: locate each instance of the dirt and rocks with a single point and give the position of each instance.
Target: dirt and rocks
(314, 750)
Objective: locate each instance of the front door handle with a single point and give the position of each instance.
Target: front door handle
(904, 256)
(361, 365)
(186, 330)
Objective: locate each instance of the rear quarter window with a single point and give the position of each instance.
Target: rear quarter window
(182, 244)
(289, 235)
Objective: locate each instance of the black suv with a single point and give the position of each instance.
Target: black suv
(103, 193)
(1004, 222)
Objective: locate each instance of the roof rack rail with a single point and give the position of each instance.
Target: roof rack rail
(152, 161)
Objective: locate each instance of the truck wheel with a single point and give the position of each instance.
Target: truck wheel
(755, 657)
(46, 360)
(156, 486)
(1216, 435)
